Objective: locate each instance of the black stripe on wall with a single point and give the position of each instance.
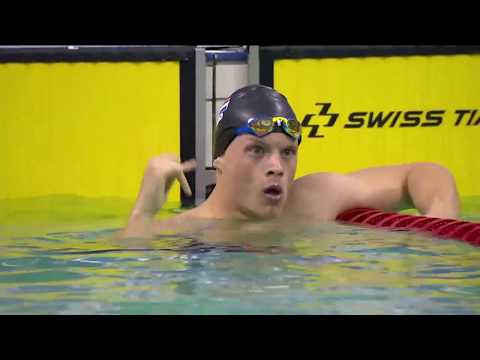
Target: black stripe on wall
(187, 122)
(94, 53)
(303, 52)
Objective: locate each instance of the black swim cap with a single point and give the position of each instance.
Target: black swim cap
(245, 103)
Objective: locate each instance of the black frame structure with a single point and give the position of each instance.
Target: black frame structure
(268, 55)
(184, 54)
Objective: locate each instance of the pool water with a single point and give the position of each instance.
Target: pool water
(235, 268)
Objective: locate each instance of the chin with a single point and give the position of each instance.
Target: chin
(270, 212)
(264, 211)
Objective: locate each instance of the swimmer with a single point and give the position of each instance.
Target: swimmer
(255, 150)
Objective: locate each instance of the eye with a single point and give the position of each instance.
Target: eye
(256, 150)
(289, 152)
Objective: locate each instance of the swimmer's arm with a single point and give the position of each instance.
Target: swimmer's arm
(428, 187)
(159, 175)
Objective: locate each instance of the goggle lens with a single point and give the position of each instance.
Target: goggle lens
(262, 127)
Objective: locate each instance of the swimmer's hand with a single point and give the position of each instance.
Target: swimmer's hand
(158, 179)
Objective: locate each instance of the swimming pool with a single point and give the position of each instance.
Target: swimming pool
(234, 268)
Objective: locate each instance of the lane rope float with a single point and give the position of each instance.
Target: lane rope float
(466, 231)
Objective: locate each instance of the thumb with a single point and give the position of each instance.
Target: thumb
(189, 165)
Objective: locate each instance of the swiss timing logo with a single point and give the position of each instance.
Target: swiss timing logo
(326, 118)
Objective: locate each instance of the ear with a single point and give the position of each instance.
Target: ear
(218, 163)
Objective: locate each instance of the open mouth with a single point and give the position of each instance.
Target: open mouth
(273, 192)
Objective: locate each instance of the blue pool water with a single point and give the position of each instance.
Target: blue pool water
(240, 268)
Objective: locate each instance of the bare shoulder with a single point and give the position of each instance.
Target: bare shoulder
(321, 183)
(318, 179)
(318, 196)
(185, 221)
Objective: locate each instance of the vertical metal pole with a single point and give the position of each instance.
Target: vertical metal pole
(253, 65)
(200, 122)
(203, 177)
(214, 97)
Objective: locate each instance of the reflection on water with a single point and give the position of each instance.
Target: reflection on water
(237, 268)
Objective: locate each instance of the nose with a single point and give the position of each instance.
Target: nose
(275, 165)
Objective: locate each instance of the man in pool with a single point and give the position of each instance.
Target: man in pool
(255, 152)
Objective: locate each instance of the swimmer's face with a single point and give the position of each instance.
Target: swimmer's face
(259, 171)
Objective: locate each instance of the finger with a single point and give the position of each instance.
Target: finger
(163, 157)
(189, 165)
(184, 183)
(168, 184)
(173, 157)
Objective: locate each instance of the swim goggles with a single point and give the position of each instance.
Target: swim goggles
(264, 126)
